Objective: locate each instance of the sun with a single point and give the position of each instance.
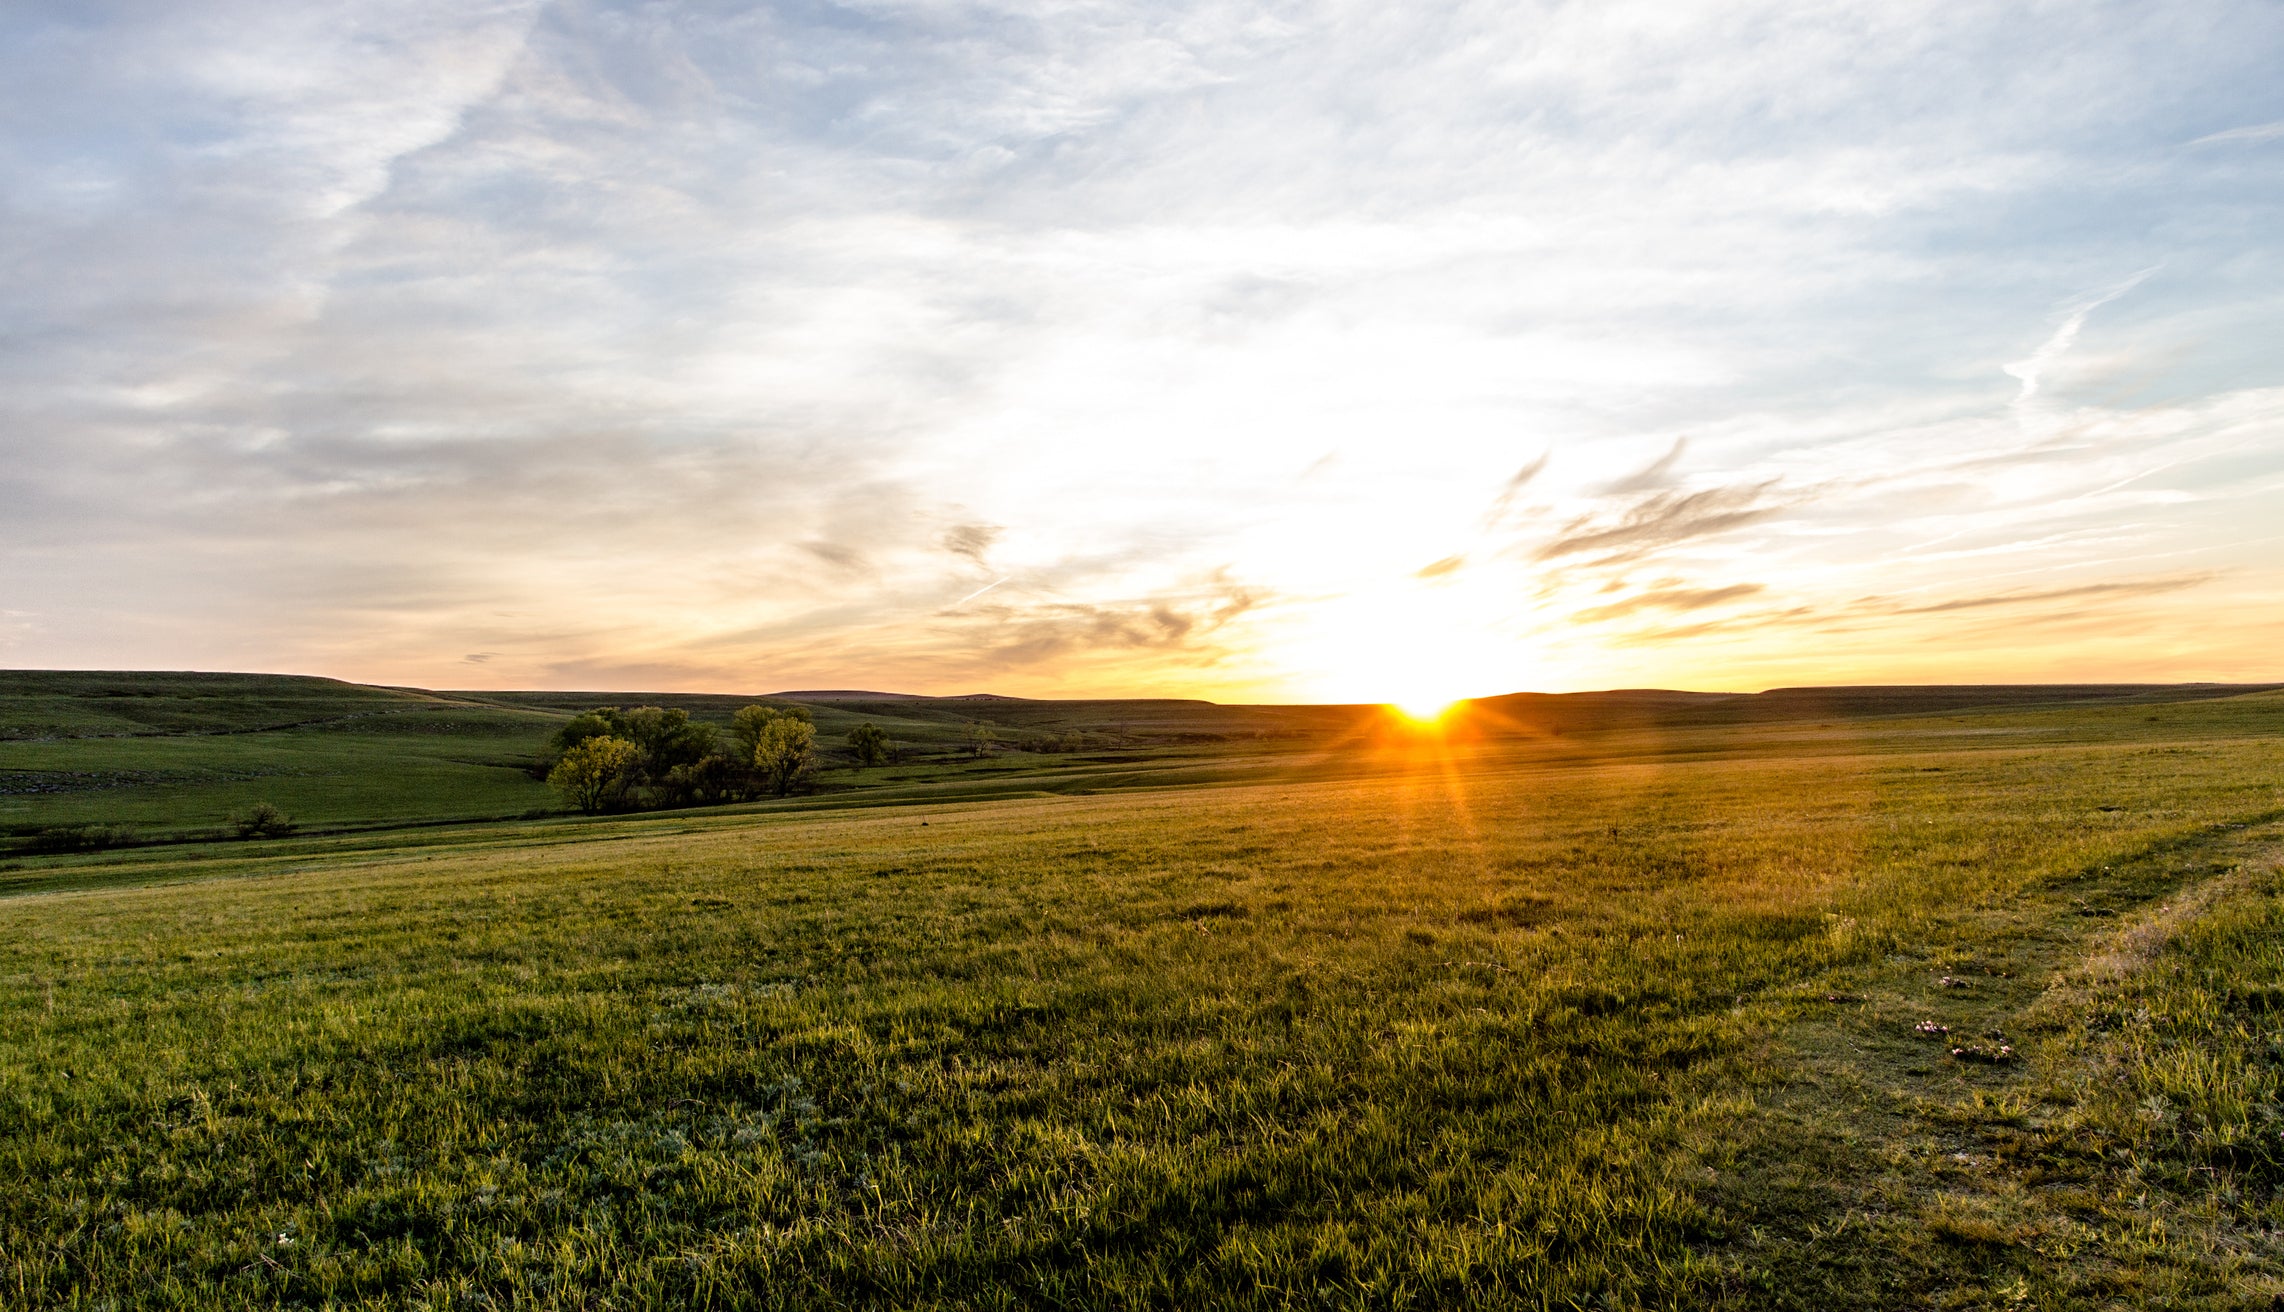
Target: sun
(1424, 708)
(1411, 653)
(1425, 692)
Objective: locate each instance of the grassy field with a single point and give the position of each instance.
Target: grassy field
(143, 758)
(173, 757)
(170, 758)
(1962, 1005)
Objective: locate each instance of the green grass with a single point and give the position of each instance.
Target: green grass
(422, 765)
(39, 704)
(1614, 1020)
(139, 758)
(169, 758)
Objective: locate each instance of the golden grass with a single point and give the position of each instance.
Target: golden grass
(1480, 1025)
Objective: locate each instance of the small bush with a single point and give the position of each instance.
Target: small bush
(80, 838)
(263, 821)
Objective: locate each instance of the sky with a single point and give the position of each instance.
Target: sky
(1270, 352)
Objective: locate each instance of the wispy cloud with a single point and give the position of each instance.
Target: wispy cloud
(1656, 476)
(1513, 487)
(2047, 596)
(973, 541)
(2250, 133)
(1016, 637)
(988, 587)
(1664, 519)
(1670, 599)
(1877, 614)
(2029, 370)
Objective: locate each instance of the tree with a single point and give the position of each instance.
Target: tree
(870, 743)
(595, 774)
(712, 778)
(980, 739)
(602, 723)
(786, 753)
(669, 744)
(748, 725)
(778, 742)
(263, 821)
(667, 738)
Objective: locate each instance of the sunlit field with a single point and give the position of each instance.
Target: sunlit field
(1975, 1010)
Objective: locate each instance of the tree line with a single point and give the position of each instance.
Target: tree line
(627, 758)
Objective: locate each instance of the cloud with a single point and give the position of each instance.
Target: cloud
(1675, 599)
(2081, 592)
(971, 540)
(988, 587)
(1751, 624)
(1662, 520)
(1655, 476)
(2029, 371)
(1440, 569)
(1019, 637)
(839, 555)
(2251, 133)
(1882, 614)
(1515, 483)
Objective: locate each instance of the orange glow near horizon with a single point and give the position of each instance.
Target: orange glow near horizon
(1424, 711)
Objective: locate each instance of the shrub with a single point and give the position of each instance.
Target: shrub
(80, 838)
(263, 821)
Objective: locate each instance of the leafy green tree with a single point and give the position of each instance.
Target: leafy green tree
(746, 728)
(600, 723)
(980, 740)
(603, 723)
(597, 773)
(717, 777)
(667, 738)
(870, 743)
(670, 744)
(749, 724)
(786, 754)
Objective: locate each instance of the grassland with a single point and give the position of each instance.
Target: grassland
(165, 758)
(142, 758)
(170, 758)
(1608, 1013)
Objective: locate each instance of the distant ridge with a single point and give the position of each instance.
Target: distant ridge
(858, 695)
(1646, 707)
(57, 704)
